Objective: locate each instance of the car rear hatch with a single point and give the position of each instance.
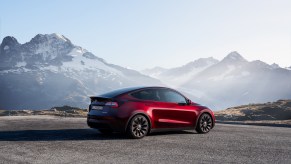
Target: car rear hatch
(102, 103)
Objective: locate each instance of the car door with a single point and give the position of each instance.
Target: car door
(172, 110)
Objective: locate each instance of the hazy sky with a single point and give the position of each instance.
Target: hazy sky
(141, 34)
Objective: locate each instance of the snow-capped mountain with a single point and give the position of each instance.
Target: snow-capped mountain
(230, 82)
(177, 76)
(235, 81)
(50, 70)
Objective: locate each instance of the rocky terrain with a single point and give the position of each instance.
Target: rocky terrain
(278, 112)
(64, 111)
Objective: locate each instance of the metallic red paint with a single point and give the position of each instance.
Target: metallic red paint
(160, 115)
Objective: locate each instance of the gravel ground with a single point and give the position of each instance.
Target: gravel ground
(46, 139)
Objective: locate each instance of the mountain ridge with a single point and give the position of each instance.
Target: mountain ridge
(50, 70)
(178, 75)
(232, 81)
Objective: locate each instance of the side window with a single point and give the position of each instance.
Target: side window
(148, 94)
(171, 96)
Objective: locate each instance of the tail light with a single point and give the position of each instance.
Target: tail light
(112, 104)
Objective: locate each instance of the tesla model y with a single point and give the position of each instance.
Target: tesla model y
(138, 111)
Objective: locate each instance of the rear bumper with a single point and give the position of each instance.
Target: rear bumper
(106, 122)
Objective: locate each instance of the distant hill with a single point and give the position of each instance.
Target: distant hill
(64, 111)
(279, 110)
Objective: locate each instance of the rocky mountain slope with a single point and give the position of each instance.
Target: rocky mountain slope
(271, 111)
(50, 70)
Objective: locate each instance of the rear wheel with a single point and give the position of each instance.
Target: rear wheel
(138, 127)
(204, 123)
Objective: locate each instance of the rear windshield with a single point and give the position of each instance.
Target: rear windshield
(117, 92)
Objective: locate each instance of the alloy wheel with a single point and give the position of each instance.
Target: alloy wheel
(205, 123)
(139, 126)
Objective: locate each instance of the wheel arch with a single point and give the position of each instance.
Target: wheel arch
(207, 112)
(138, 113)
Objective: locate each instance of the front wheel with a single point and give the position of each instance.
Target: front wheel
(138, 127)
(204, 123)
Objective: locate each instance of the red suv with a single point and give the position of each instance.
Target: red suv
(140, 110)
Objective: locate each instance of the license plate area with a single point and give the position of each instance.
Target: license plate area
(97, 107)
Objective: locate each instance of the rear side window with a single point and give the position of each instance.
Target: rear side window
(148, 94)
(171, 96)
(115, 93)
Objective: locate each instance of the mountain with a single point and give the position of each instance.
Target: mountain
(154, 72)
(235, 81)
(50, 70)
(230, 82)
(177, 76)
(275, 66)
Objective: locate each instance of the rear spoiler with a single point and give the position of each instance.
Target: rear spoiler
(98, 98)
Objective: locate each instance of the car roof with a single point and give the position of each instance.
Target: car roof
(118, 92)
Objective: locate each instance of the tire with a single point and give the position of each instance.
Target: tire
(105, 131)
(204, 124)
(138, 127)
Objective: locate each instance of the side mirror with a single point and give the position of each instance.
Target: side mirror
(189, 101)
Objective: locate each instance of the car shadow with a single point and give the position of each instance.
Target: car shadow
(57, 135)
(70, 134)
(172, 133)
